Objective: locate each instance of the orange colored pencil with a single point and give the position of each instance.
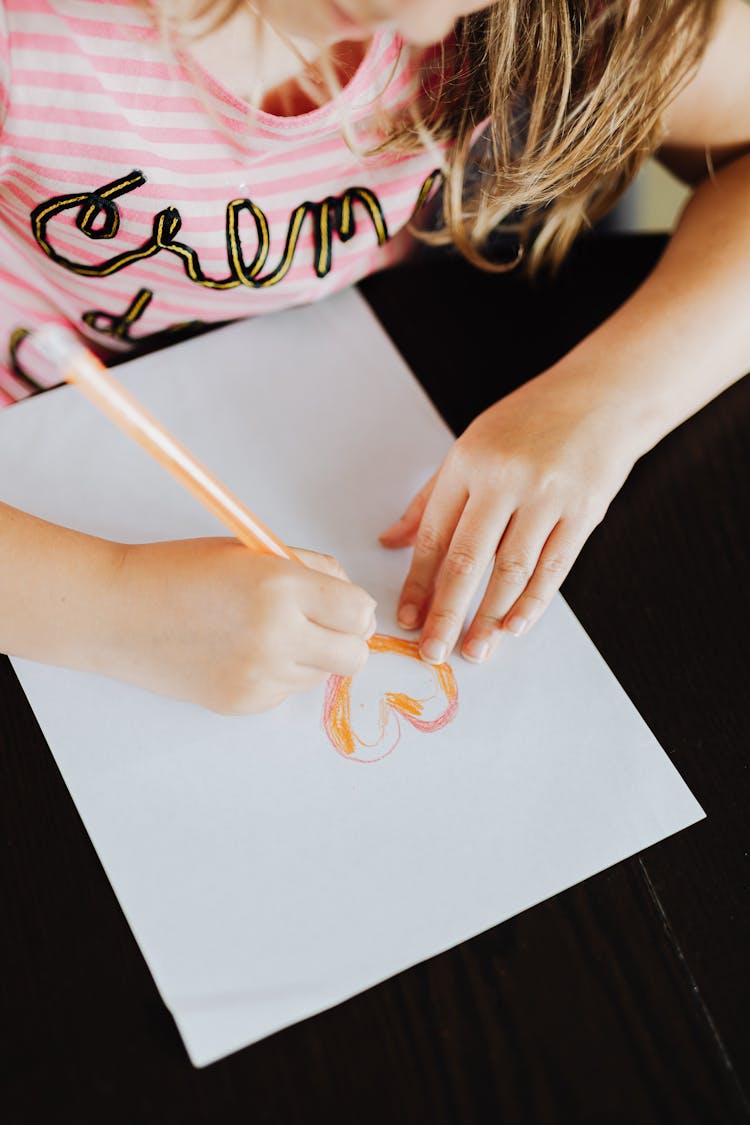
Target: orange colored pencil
(77, 365)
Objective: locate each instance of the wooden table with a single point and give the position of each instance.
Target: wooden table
(623, 1000)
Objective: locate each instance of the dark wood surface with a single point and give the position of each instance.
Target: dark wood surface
(624, 1000)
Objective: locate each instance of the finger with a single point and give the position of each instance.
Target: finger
(345, 611)
(516, 559)
(402, 532)
(560, 552)
(275, 692)
(302, 678)
(332, 653)
(433, 538)
(335, 604)
(325, 564)
(470, 552)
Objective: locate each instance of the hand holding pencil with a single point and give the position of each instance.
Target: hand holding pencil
(233, 624)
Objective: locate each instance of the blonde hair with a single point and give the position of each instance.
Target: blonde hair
(571, 95)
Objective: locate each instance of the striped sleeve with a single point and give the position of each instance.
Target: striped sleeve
(4, 64)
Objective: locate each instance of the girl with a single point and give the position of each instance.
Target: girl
(196, 161)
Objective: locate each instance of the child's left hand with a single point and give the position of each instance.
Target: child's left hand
(526, 483)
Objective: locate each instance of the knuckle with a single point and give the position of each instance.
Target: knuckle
(536, 600)
(459, 464)
(514, 571)
(556, 566)
(488, 621)
(429, 540)
(589, 510)
(458, 456)
(446, 617)
(266, 623)
(498, 473)
(460, 563)
(274, 587)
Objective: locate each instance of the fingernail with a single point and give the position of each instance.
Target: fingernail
(476, 651)
(433, 651)
(517, 625)
(408, 616)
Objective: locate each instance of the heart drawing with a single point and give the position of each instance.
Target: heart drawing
(349, 701)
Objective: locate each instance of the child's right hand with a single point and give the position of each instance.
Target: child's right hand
(209, 621)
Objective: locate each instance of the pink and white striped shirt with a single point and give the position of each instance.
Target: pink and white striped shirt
(134, 200)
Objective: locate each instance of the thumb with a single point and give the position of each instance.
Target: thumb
(402, 532)
(325, 564)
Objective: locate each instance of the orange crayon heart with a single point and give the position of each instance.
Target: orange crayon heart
(440, 698)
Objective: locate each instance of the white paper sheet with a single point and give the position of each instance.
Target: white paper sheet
(266, 876)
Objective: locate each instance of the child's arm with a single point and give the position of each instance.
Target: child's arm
(201, 619)
(536, 472)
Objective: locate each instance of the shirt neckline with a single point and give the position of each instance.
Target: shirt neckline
(276, 123)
